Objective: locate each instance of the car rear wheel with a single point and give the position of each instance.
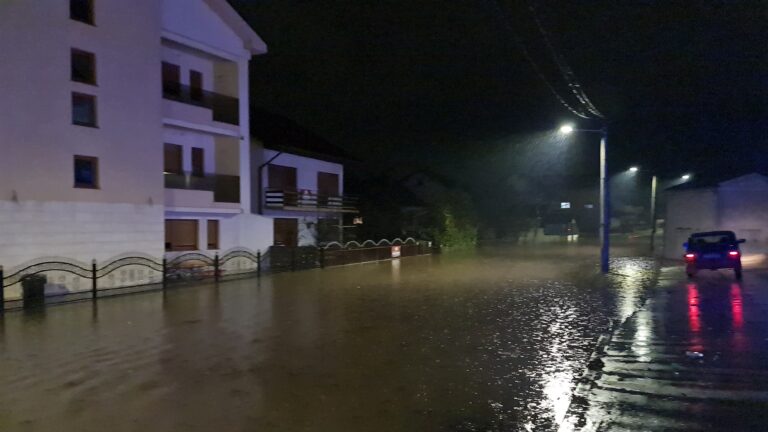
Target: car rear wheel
(737, 272)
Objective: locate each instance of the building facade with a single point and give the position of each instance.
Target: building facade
(739, 204)
(124, 127)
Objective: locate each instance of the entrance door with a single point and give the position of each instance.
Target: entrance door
(283, 179)
(286, 232)
(327, 188)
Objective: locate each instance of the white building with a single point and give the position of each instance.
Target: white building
(124, 127)
(300, 178)
(739, 205)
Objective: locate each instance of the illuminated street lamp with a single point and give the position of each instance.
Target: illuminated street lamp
(605, 196)
(654, 182)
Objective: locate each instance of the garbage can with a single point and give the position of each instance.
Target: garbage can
(33, 290)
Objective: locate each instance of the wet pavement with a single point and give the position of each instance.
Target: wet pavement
(694, 358)
(489, 341)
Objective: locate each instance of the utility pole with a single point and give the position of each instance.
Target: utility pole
(654, 182)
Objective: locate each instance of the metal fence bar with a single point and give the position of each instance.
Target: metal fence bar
(94, 279)
(2, 290)
(216, 267)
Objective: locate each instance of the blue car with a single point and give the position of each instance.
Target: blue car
(713, 250)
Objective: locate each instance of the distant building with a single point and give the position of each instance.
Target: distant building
(738, 204)
(300, 181)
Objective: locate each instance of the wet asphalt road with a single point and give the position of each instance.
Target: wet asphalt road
(492, 341)
(695, 358)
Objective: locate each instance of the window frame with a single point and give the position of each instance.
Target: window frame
(169, 246)
(95, 122)
(176, 148)
(92, 56)
(95, 166)
(197, 156)
(90, 19)
(213, 245)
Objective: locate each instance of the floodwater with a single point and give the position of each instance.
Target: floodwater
(487, 341)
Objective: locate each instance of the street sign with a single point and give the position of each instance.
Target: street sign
(565, 205)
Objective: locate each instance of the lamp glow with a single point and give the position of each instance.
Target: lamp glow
(686, 177)
(566, 129)
(633, 169)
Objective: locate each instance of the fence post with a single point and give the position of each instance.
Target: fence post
(93, 279)
(216, 267)
(2, 290)
(322, 258)
(165, 272)
(258, 263)
(293, 259)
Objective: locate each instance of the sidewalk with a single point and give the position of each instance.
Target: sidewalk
(694, 358)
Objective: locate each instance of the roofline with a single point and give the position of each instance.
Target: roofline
(252, 41)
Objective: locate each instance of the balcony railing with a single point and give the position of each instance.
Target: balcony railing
(225, 188)
(226, 109)
(306, 200)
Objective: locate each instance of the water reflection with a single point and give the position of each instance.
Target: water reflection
(491, 341)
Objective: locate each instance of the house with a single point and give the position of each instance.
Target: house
(124, 127)
(300, 180)
(737, 204)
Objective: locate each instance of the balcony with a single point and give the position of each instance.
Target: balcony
(306, 200)
(225, 188)
(225, 109)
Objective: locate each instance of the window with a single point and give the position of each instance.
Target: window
(327, 189)
(83, 67)
(81, 10)
(86, 172)
(286, 232)
(198, 166)
(83, 109)
(213, 234)
(180, 234)
(196, 85)
(171, 80)
(172, 159)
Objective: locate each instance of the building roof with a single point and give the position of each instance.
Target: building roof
(280, 133)
(715, 180)
(229, 15)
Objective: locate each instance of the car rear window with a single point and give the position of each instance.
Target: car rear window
(712, 239)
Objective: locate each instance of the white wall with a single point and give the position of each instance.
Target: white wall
(306, 169)
(740, 205)
(688, 211)
(83, 231)
(196, 21)
(38, 137)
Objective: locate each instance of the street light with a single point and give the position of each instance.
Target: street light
(605, 195)
(654, 184)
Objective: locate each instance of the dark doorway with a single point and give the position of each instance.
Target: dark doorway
(286, 232)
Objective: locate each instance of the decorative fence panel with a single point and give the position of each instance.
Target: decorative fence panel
(70, 280)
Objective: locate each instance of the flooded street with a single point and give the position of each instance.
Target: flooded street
(488, 341)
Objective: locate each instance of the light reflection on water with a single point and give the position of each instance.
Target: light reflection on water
(484, 342)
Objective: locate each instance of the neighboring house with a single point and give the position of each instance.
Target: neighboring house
(738, 204)
(300, 177)
(104, 98)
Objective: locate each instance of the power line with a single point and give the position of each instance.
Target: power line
(565, 70)
(533, 64)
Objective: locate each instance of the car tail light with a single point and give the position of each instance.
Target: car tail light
(733, 254)
(690, 257)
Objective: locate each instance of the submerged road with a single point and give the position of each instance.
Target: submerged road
(694, 358)
(488, 341)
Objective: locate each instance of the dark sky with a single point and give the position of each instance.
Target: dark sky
(445, 84)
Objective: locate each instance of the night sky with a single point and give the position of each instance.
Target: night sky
(409, 84)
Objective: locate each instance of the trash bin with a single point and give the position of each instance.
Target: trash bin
(33, 290)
